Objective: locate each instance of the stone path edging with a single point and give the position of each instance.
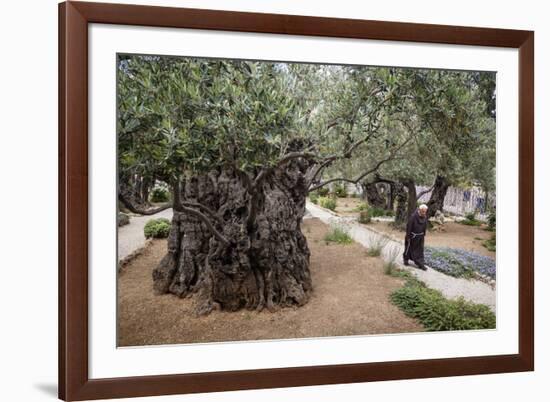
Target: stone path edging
(131, 237)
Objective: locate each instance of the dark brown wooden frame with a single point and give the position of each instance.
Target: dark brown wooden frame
(74, 18)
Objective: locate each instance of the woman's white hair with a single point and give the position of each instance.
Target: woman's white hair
(423, 206)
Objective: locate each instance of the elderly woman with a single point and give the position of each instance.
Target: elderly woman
(414, 238)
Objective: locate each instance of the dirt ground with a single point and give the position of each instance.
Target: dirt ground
(346, 206)
(351, 297)
(456, 235)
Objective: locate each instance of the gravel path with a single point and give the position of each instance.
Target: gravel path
(131, 238)
(473, 290)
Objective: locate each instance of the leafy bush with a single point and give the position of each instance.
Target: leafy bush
(437, 313)
(364, 217)
(376, 211)
(323, 191)
(314, 197)
(340, 191)
(328, 203)
(471, 216)
(123, 219)
(459, 263)
(491, 244)
(157, 228)
(338, 235)
(470, 220)
(160, 194)
(397, 272)
(362, 206)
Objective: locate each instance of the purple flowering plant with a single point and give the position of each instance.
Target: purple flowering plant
(459, 263)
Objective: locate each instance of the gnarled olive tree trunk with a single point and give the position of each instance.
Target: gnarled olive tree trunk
(371, 192)
(437, 198)
(265, 262)
(401, 209)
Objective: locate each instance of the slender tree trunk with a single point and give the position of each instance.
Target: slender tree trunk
(401, 209)
(391, 196)
(405, 195)
(265, 264)
(411, 196)
(138, 190)
(437, 198)
(145, 188)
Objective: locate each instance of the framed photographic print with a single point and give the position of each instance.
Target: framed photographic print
(259, 200)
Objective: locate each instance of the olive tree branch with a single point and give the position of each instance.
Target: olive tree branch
(391, 156)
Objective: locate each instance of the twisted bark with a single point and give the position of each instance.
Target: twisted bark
(265, 261)
(372, 194)
(437, 198)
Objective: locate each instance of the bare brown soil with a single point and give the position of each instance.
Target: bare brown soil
(455, 235)
(351, 297)
(346, 206)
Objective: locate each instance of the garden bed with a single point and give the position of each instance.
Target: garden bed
(461, 263)
(351, 297)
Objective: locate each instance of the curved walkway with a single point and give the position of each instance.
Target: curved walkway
(473, 290)
(131, 237)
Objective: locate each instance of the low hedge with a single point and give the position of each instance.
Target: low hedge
(157, 228)
(436, 313)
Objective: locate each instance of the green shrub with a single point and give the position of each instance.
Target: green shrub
(491, 244)
(397, 272)
(328, 203)
(314, 197)
(157, 228)
(123, 219)
(376, 211)
(340, 191)
(437, 313)
(362, 206)
(323, 191)
(364, 217)
(470, 220)
(338, 235)
(160, 194)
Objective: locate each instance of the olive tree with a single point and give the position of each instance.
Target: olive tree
(241, 144)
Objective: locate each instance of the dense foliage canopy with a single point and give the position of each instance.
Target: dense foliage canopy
(181, 116)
